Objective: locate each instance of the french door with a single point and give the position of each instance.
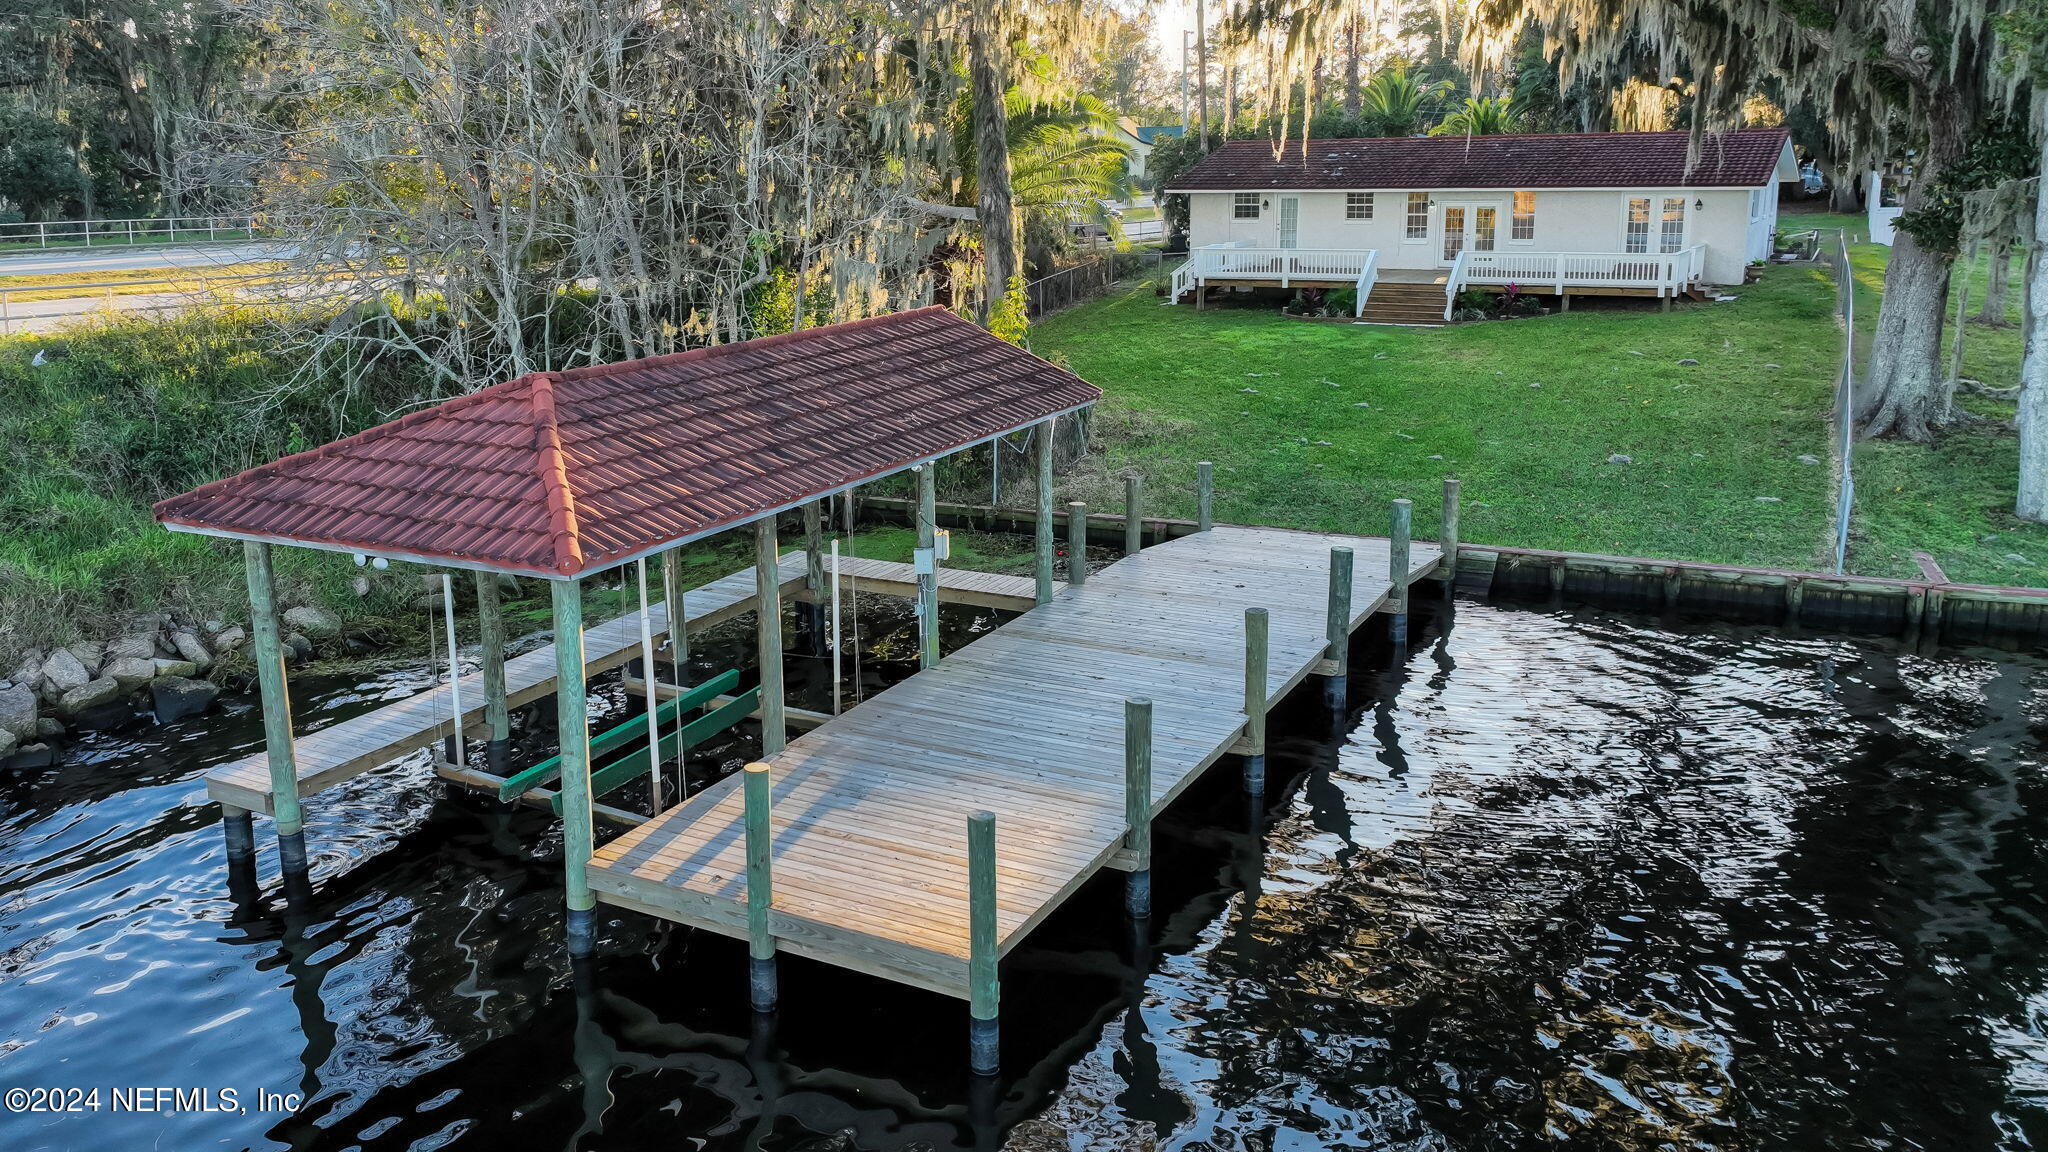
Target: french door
(1290, 221)
(1468, 226)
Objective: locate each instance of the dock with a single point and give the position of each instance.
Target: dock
(870, 810)
(361, 743)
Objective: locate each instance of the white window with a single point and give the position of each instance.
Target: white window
(1636, 226)
(1671, 236)
(1523, 225)
(1246, 206)
(1418, 216)
(1756, 203)
(1358, 205)
(1482, 228)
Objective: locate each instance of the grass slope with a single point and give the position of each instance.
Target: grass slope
(1319, 425)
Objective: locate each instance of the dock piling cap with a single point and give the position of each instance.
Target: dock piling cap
(757, 766)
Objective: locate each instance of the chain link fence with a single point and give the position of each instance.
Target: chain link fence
(1833, 251)
(1086, 279)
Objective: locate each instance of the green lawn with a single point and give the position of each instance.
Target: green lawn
(1319, 425)
(1954, 499)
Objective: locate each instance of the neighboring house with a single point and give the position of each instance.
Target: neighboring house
(1139, 138)
(1608, 213)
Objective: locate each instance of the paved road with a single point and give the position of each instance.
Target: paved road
(50, 315)
(83, 261)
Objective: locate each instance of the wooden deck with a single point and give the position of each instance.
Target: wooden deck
(870, 809)
(356, 745)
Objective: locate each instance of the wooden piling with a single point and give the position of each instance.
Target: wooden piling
(1077, 543)
(1205, 496)
(1447, 538)
(672, 594)
(239, 828)
(1138, 805)
(1337, 628)
(927, 565)
(490, 619)
(1256, 630)
(814, 551)
(768, 634)
(984, 989)
(760, 889)
(573, 723)
(277, 707)
(1401, 526)
(1043, 443)
(1134, 513)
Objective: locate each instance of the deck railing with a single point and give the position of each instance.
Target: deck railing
(1280, 265)
(1367, 277)
(1666, 273)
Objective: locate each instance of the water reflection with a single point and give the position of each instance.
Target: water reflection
(1553, 878)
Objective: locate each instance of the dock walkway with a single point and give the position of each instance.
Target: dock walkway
(333, 754)
(870, 809)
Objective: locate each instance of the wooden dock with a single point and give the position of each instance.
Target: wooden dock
(333, 754)
(1027, 722)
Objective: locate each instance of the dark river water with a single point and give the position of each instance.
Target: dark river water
(1560, 878)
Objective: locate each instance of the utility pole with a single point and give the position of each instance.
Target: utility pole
(1184, 34)
(1202, 68)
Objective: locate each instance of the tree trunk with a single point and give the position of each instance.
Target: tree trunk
(1905, 394)
(2033, 418)
(1998, 282)
(1352, 99)
(1842, 192)
(988, 70)
(1202, 69)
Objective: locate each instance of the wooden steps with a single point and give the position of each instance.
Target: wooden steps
(1417, 305)
(870, 809)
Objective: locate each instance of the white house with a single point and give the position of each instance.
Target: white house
(1607, 213)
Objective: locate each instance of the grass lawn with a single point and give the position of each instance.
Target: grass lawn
(1318, 425)
(1954, 499)
(126, 281)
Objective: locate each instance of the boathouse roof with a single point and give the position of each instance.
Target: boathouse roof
(563, 473)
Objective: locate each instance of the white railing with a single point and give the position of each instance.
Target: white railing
(1283, 266)
(1367, 277)
(1453, 282)
(1666, 273)
(151, 229)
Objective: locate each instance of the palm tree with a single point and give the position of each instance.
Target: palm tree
(1062, 154)
(1395, 102)
(1481, 116)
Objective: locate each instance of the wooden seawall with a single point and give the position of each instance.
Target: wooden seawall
(870, 810)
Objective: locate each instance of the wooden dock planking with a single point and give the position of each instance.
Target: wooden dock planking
(330, 755)
(870, 809)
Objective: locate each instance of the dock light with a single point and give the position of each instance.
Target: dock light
(942, 544)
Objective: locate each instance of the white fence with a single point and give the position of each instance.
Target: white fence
(142, 230)
(1667, 273)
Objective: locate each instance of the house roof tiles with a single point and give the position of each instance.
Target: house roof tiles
(1745, 158)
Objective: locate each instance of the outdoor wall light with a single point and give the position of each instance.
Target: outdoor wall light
(1699, 205)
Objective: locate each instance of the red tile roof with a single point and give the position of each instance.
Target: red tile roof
(561, 473)
(1746, 158)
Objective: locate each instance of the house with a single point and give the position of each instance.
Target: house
(1594, 213)
(1138, 139)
